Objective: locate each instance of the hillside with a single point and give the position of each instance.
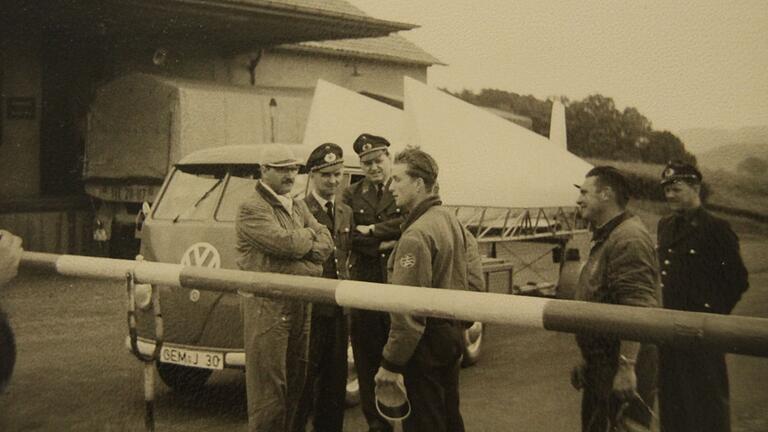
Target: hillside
(727, 157)
(726, 189)
(701, 140)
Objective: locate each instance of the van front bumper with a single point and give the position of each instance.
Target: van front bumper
(233, 359)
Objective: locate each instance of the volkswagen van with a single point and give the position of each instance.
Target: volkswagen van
(192, 222)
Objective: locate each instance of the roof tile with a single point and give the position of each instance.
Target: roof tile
(390, 48)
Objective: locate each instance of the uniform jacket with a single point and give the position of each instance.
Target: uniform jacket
(702, 270)
(432, 252)
(386, 218)
(338, 265)
(271, 240)
(621, 269)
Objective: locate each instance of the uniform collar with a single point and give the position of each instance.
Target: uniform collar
(322, 201)
(369, 185)
(689, 215)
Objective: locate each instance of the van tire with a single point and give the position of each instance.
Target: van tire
(473, 344)
(182, 378)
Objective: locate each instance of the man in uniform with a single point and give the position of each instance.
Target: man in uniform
(432, 252)
(377, 226)
(621, 269)
(702, 271)
(325, 391)
(277, 234)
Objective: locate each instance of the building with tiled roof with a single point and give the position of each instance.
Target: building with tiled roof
(57, 55)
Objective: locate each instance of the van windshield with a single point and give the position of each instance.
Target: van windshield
(189, 196)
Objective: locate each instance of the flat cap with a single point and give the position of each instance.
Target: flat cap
(279, 155)
(676, 171)
(325, 156)
(367, 144)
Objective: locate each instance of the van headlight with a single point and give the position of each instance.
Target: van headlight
(143, 296)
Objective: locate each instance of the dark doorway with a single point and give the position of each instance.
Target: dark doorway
(72, 65)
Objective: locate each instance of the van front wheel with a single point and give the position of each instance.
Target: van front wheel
(182, 378)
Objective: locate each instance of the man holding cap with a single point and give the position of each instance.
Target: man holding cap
(277, 234)
(377, 226)
(621, 269)
(432, 252)
(701, 271)
(325, 391)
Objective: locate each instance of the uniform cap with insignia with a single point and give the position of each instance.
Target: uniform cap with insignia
(367, 146)
(325, 156)
(676, 171)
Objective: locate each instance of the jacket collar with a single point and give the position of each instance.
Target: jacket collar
(419, 210)
(270, 195)
(602, 233)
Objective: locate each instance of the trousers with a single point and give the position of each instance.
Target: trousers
(276, 334)
(369, 332)
(325, 392)
(432, 380)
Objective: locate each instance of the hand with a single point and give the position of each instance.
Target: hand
(385, 377)
(10, 255)
(625, 382)
(577, 377)
(312, 232)
(364, 229)
(314, 257)
(387, 245)
(320, 252)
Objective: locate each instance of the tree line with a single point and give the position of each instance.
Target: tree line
(596, 128)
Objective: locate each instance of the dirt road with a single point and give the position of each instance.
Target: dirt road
(73, 372)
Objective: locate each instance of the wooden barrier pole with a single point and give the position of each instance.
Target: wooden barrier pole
(736, 334)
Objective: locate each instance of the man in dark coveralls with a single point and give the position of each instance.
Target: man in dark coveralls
(701, 271)
(621, 269)
(325, 390)
(432, 252)
(377, 226)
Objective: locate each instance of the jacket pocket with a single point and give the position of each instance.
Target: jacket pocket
(271, 314)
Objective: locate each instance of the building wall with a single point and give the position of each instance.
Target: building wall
(20, 141)
(294, 69)
(295, 72)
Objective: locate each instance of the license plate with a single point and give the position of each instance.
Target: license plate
(192, 358)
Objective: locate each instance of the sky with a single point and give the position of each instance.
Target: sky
(683, 64)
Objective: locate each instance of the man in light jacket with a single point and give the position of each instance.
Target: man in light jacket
(277, 233)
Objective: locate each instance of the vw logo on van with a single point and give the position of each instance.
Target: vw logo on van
(200, 255)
